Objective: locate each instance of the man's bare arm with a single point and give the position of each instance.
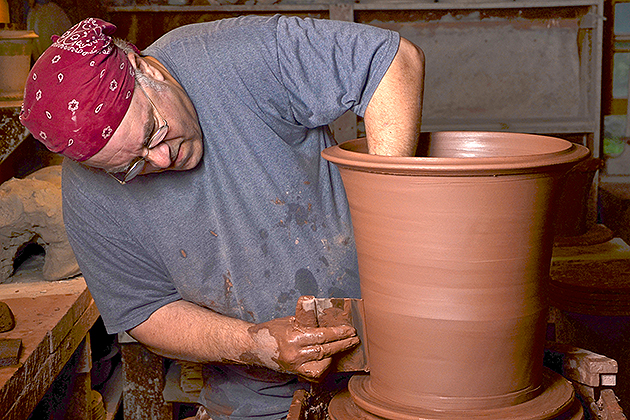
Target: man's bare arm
(393, 116)
(185, 331)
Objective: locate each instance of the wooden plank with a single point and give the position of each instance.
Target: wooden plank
(380, 5)
(144, 379)
(383, 5)
(74, 286)
(35, 386)
(112, 393)
(614, 249)
(525, 126)
(581, 365)
(610, 409)
(343, 12)
(34, 318)
(39, 308)
(10, 351)
(299, 405)
(59, 332)
(218, 8)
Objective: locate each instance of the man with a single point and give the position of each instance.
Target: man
(195, 197)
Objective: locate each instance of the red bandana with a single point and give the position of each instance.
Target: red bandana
(78, 91)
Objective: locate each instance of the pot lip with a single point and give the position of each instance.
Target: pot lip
(563, 154)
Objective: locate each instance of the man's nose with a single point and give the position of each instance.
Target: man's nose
(160, 156)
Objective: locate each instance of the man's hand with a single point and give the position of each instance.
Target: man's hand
(286, 345)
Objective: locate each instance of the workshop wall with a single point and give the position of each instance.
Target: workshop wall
(75, 9)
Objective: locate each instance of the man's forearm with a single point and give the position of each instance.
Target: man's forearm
(394, 114)
(185, 331)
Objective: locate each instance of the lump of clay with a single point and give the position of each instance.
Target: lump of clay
(7, 320)
(30, 212)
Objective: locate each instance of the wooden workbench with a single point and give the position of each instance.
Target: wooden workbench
(590, 305)
(53, 320)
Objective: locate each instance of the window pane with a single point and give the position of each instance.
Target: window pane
(621, 64)
(622, 18)
(614, 129)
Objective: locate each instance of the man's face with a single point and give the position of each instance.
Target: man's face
(155, 103)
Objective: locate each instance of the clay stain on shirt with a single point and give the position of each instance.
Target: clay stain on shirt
(297, 213)
(305, 282)
(228, 290)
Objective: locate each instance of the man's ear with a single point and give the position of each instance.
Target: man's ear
(145, 66)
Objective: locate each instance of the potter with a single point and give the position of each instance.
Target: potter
(195, 197)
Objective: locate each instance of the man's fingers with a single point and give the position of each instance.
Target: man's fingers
(313, 336)
(320, 356)
(326, 350)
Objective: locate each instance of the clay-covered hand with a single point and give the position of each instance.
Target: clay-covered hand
(285, 345)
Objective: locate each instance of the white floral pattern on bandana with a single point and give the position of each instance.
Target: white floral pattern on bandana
(84, 38)
(79, 90)
(107, 131)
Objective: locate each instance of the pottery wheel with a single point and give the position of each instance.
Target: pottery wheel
(556, 402)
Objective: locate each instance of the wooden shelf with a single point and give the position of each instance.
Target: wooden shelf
(380, 5)
(52, 320)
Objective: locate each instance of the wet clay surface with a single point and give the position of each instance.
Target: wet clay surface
(556, 402)
(454, 250)
(462, 293)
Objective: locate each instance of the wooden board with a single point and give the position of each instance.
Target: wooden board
(52, 319)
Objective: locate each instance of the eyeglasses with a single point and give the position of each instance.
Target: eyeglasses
(137, 165)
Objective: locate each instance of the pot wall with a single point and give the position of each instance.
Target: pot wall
(453, 266)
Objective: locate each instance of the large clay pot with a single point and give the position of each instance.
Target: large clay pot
(454, 251)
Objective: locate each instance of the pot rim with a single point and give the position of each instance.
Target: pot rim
(541, 154)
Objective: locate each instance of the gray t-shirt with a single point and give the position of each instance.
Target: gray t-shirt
(263, 218)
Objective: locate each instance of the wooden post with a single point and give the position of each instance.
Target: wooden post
(144, 377)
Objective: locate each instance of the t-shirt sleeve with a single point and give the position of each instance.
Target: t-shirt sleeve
(306, 72)
(127, 283)
(329, 67)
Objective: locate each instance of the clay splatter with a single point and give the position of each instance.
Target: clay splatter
(305, 282)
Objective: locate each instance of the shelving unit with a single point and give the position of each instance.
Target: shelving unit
(523, 66)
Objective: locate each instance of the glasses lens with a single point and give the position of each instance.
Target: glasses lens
(135, 169)
(159, 135)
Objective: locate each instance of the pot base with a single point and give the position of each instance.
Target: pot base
(556, 402)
